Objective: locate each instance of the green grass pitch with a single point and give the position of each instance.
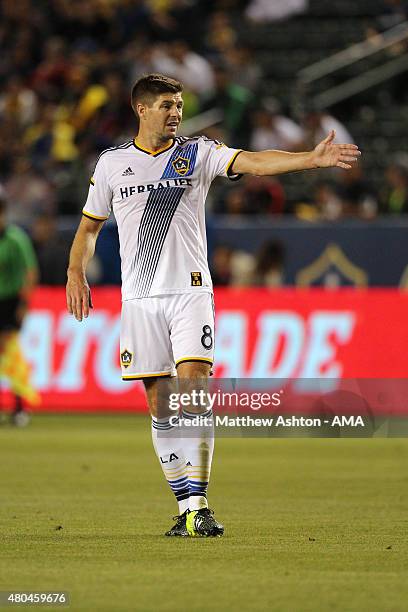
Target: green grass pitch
(311, 524)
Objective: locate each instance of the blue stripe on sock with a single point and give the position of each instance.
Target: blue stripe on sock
(180, 489)
(181, 496)
(180, 485)
(201, 488)
(183, 479)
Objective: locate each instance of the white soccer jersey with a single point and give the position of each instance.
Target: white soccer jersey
(158, 200)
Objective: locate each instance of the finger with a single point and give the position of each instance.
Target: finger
(85, 304)
(78, 308)
(77, 313)
(330, 137)
(90, 300)
(348, 146)
(343, 165)
(69, 304)
(348, 158)
(345, 150)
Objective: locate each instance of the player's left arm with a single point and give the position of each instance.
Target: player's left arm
(325, 155)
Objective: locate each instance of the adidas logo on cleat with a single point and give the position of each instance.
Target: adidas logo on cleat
(128, 172)
(201, 523)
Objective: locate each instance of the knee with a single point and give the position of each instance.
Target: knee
(158, 391)
(193, 370)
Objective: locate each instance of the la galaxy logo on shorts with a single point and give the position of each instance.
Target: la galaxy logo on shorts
(126, 358)
(181, 165)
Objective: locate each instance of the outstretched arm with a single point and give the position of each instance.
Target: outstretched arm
(325, 155)
(78, 292)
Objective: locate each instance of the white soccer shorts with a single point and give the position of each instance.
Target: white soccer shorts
(158, 333)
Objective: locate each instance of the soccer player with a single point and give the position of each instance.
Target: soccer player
(156, 185)
(18, 277)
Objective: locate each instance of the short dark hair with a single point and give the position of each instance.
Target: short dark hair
(148, 87)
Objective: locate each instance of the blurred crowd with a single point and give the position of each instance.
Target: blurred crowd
(67, 67)
(237, 268)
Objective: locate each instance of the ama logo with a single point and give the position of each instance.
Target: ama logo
(181, 165)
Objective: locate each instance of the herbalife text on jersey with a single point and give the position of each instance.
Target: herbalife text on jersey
(130, 190)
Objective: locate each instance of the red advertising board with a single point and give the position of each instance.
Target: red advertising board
(290, 333)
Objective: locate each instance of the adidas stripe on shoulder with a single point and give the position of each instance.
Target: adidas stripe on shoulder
(125, 145)
(182, 140)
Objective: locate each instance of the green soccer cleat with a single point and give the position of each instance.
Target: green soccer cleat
(179, 529)
(201, 523)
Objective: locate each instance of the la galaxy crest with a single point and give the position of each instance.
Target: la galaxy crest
(181, 165)
(126, 358)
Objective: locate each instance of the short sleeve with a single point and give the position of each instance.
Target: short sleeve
(99, 201)
(218, 159)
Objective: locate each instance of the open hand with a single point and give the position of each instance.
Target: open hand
(79, 299)
(329, 155)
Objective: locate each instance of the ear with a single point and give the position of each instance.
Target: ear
(141, 110)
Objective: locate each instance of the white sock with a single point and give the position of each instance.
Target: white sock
(169, 450)
(198, 447)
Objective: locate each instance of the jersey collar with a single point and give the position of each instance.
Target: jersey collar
(152, 153)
